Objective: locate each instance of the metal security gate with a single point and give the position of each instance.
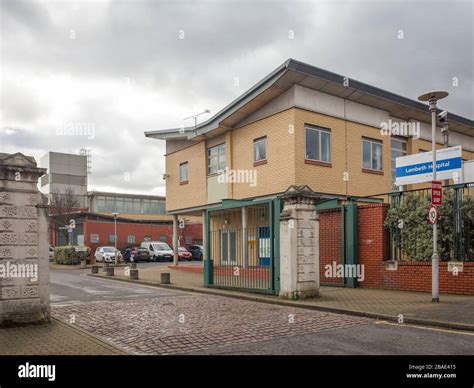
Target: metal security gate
(241, 247)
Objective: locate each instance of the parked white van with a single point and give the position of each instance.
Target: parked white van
(159, 251)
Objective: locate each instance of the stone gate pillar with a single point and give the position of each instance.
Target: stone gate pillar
(24, 242)
(299, 244)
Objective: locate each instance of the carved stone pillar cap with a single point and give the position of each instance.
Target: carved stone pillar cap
(299, 194)
(14, 163)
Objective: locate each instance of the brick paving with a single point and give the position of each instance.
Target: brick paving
(189, 323)
(55, 338)
(457, 310)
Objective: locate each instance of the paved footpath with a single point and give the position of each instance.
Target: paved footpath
(54, 339)
(147, 320)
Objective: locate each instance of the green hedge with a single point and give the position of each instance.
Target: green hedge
(410, 219)
(68, 255)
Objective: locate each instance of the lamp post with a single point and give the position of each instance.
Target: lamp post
(115, 214)
(432, 98)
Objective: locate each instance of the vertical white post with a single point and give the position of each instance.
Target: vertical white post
(433, 97)
(435, 257)
(204, 237)
(115, 239)
(244, 237)
(175, 239)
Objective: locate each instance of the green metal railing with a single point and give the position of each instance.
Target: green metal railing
(242, 257)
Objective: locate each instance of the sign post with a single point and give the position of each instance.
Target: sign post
(436, 193)
(433, 97)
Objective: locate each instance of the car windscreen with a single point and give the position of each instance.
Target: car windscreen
(109, 250)
(161, 247)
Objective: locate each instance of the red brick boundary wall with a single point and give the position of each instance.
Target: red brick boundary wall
(330, 247)
(374, 252)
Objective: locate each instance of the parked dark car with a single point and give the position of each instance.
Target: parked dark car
(196, 251)
(140, 254)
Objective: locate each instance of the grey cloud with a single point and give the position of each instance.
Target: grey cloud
(223, 40)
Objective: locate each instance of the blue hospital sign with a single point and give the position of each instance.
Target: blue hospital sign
(418, 168)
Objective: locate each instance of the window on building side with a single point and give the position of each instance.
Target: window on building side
(163, 238)
(372, 154)
(188, 240)
(318, 144)
(131, 239)
(260, 149)
(94, 238)
(216, 159)
(398, 148)
(111, 238)
(183, 172)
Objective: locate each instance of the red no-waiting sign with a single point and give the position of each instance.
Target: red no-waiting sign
(436, 193)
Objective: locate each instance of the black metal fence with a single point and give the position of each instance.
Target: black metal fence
(455, 225)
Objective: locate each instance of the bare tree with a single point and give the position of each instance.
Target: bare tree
(61, 205)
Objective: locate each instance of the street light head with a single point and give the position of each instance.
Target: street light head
(433, 95)
(115, 214)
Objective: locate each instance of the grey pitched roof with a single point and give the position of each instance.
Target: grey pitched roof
(295, 72)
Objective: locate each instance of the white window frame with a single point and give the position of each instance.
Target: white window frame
(405, 152)
(219, 155)
(319, 130)
(263, 140)
(372, 141)
(181, 166)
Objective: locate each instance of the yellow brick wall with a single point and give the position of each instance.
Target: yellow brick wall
(279, 171)
(194, 193)
(330, 179)
(286, 160)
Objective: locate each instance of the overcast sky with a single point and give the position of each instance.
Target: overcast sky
(114, 69)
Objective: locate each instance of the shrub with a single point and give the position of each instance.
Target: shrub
(69, 255)
(410, 221)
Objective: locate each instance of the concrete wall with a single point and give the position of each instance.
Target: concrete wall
(24, 295)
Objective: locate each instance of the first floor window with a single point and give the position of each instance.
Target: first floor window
(183, 172)
(112, 238)
(372, 154)
(318, 143)
(94, 238)
(131, 239)
(260, 149)
(216, 159)
(398, 149)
